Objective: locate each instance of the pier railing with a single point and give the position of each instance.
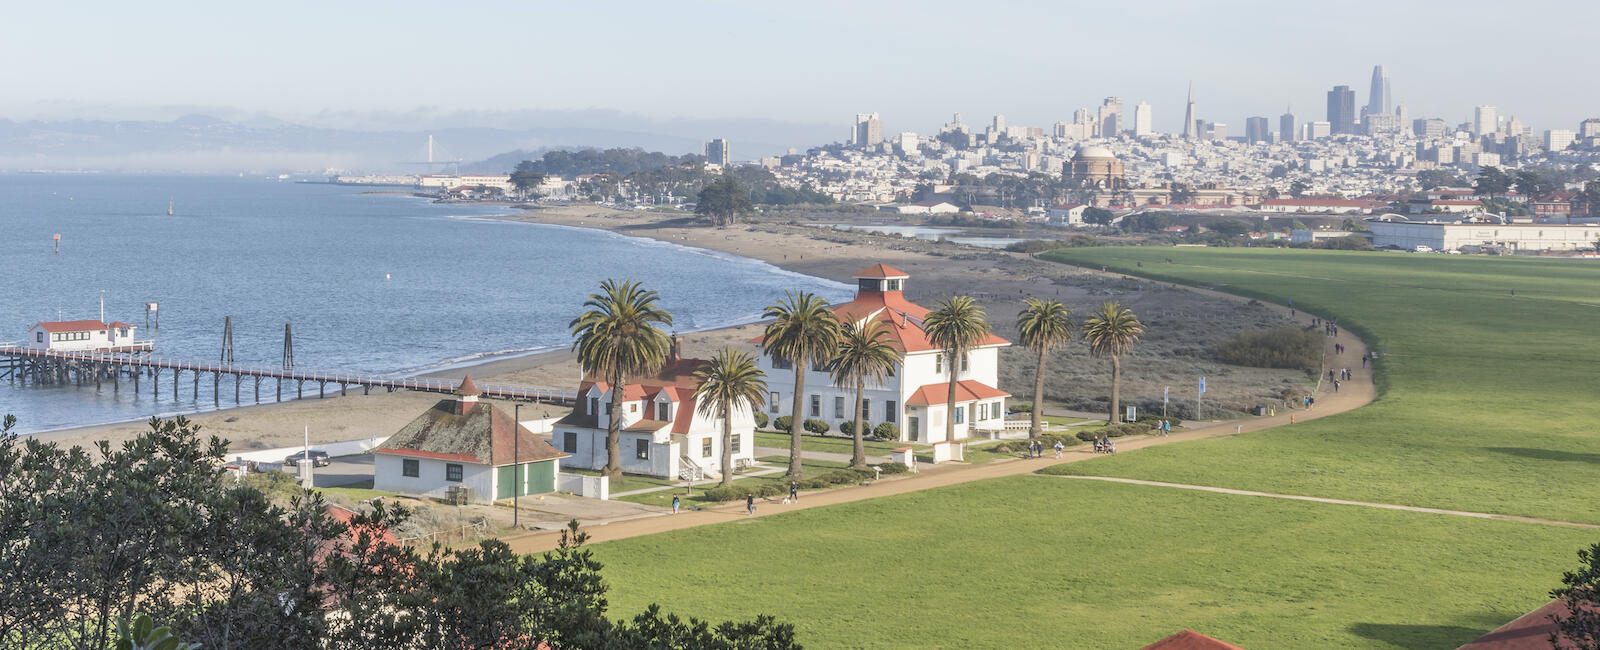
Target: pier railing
(423, 384)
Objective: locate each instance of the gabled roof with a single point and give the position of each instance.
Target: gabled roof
(1531, 631)
(483, 434)
(967, 390)
(75, 326)
(1191, 640)
(882, 271)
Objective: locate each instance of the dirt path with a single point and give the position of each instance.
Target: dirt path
(1357, 392)
(1342, 502)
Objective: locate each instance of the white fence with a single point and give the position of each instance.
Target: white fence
(335, 449)
(594, 487)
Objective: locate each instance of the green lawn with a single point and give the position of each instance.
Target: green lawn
(1486, 399)
(1036, 561)
(834, 444)
(693, 497)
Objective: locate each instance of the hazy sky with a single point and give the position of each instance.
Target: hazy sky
(811, 61)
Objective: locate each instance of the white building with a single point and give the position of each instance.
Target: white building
(1141, 120)
(84, 336)
(1558, 139)
(1485, 121)
(1514, 237)
(447, 181)
(1068, 214)
(914, 396)
(461, 443)
(663, 432)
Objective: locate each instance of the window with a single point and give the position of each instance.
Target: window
(569, 442)
(452, 472)
(122, 331)
(782, 364)
(665, 410)
(594, 406)
(888, 410)
(816, 406)
(737, 442)
(410, 467)
(38, 336)
(865, 284)
(966, 362)
(705, 447)
(866, 410)
(961, 413)
(633, 407)
(838, 408)
(772, 402)
(894, 285)
(641, 449)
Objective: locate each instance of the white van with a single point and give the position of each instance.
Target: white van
(1424, 249)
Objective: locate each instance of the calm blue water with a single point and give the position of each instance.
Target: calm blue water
(458, 287)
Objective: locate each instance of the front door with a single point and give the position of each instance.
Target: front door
(914, 426)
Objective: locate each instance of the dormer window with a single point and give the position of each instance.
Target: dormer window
(665, 409)
(594, 406)
(892, 285)
(869, 284)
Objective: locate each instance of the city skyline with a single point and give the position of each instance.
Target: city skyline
(120, 60)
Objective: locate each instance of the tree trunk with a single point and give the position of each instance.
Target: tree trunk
(950, 404)
(795, 419)
(1116, 388)
(1035, 428)
(614, 431)
(727, 442)
(858, 455)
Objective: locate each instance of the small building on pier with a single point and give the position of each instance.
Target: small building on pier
(463, 443)
(84, 336)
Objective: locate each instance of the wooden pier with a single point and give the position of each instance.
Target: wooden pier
(137, 367)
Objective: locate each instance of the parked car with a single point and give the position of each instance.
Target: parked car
(319, 458)
(1424, 249)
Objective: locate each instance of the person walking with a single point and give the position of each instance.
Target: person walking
(1335, 385)
(674, 504)
(1059, 447)
(794, 492)
(749, 503)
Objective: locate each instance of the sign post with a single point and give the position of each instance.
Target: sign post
(1197, 394)
(1166, 396)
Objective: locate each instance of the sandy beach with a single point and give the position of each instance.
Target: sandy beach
(999, 280)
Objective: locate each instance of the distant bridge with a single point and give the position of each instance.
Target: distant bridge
(47, 367)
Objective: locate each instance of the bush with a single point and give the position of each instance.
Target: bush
(893, 468)
(761, 420)
(886, 431)
(1283, 347)
(815, 426)
(782, 423)
(1019, 407)
(1088, 436)
(1347, 243)
(736, 492)
(847, 427)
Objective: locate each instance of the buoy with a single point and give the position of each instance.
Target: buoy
(58, 242)
(386, 276)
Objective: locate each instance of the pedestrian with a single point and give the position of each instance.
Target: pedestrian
(1059, 447)
(1330, 375)
(749, 503)
(674, 504)
(1291, 418)
(794, 491)
(1335, 385)
(1363, 361)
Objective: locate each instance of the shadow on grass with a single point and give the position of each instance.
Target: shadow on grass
(1418, 636)
(1547, 454)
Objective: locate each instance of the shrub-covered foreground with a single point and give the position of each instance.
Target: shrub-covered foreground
(1283, 347)
(89, 538)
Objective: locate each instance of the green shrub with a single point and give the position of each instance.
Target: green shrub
(893, 468)
(1019, 407)
(782, 423)
(886, 431)
(815, 426)
(1282, 347)
(724, 493)
(848, 427)
(761, 420)
(1088, 436)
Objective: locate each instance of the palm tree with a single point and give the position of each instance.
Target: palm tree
(804, 333)
(864, 353)
(730, 382)
(1111, 333)
(1044, 324)
(617, 339)
(957, 326)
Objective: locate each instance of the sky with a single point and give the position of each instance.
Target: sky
(809, 62)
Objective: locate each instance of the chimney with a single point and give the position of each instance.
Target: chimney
(677, 344)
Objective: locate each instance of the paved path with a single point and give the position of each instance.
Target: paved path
(1342, 502)
(1353, 394)
(763, 470)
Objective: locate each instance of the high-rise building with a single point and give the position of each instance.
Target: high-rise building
(907, 144)
(1401, 115)
(1379, 101)
(1188, 115)
(1380, 123)
(1216, 131)
(717, 152)
(1428, 127)
(1110, 117)
(1485, 121)
(999, 124)
(1318, 129)
(1141, 120)
(1589, 128)
(1256, 130)
(1342, 109)
(1558, 139)
(1286, 127)
(869, 130)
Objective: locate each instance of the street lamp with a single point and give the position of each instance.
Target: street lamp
(516, 463)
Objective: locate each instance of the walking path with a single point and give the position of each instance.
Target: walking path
(1355, 393)
(764, 471)
(1342, 502)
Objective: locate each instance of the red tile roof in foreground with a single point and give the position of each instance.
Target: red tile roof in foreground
(1191, 640)
(77, 326)
(1531, 631)
(967, 390)
(880, 271)
(901, 318)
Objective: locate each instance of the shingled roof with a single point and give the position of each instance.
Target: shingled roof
(480, 434)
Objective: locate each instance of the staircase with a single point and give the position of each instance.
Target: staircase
(689, 470)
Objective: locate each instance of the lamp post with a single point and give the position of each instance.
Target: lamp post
(516, 464)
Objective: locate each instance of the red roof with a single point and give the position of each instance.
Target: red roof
(467, 388)
(1191, 640)
(1531, 631)
(75, 326)
(967, 390)
(880, 271)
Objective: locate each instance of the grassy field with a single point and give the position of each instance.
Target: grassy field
(834, 444)
(1486, 400)
(694, 496)
(1036, 561)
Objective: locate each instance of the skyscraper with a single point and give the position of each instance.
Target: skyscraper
(1342, 109)
(869, 130)
(1380, 100)
(1256, 130)
(1110, 117)
(1141, 120)
(1485, 121)
(717, 152)
(1188, 115)
(1286, 126)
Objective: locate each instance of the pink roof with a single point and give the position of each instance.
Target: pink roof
(77, 326)
(881, 271)
(967, 390)
(1191, 640)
